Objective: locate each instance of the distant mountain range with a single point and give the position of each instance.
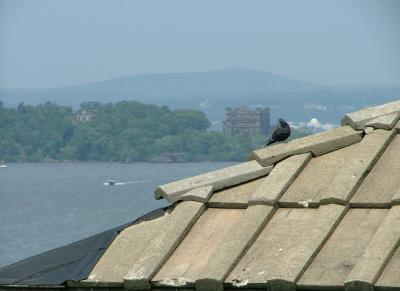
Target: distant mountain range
(212, 91)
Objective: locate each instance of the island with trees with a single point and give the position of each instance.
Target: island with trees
(126, 131)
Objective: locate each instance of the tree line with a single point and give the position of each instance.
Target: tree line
(127, 131)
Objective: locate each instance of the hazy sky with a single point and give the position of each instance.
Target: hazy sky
(57, 43)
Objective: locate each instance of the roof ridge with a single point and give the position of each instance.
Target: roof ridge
(359, 119)
(354, 126)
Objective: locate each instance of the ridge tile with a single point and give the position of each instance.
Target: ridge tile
(218, 179)
(384, 122)
(237, 196)
(359, 119)
(318, 144)
(200, 194)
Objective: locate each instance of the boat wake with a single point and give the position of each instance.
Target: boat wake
(125, 183)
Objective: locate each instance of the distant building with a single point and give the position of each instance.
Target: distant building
(86, 115)
(245, 121)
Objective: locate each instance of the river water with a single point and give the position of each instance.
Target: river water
(47, 205)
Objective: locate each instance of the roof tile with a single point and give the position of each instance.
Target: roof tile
(200, 194)
(237, 196)
(382, 183)
(318, 144)
(227, 255)
(344, 248)
(379, 250)
(125, 250)
(156, 252)
(390, 276)
(359, 119)
(331, 178)
(196, 250)
(287, 245)
(385, 121)
(396, 197)
(218, 179)
(280, 178)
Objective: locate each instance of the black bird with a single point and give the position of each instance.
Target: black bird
(281, 132)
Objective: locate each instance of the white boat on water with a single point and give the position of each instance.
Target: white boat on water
(3, 166)
(110, 182)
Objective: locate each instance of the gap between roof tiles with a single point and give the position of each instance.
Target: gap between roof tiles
(322, 244)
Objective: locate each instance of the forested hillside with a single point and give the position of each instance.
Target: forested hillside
(126, 131)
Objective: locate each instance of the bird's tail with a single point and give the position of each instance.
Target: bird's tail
(271, 141)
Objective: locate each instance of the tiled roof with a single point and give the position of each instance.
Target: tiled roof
(317, 213)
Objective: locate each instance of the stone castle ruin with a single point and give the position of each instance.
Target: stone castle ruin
(243, 120)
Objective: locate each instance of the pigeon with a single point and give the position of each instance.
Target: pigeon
(281, 132)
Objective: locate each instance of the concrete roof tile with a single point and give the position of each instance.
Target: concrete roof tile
(200, 194)
(385, 121)
(390, 276)
(287, 244)
(344, 248)
(359, 119)
(382, 183)
(157, 252)
(228, 253)
(378, 252)
(196, 251)
(125, 250)
(280, 178)
(237, 196)
(331, 177)
(218, 179)
(396, 197)
(318, 144)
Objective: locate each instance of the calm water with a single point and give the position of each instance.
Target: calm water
(46, 205)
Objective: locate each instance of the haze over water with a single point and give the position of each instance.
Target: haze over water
(47, 205)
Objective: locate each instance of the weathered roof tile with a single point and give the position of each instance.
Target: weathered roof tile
(390, 277)
(196, 251)
(378, 252)
(359, 119)
(218, 179)
(200, 194)
(237, 196)
(287, 245)
(156, 252)
(385, 121)
(380, 186)
(125, 250)
(331, 178)
(344, 248)
(229, 252)
(280, 178)
(396, 197)
(318, 144)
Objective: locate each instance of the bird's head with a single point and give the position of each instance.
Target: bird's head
(282, 122)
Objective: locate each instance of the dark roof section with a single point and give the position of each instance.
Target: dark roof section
(71, 262)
